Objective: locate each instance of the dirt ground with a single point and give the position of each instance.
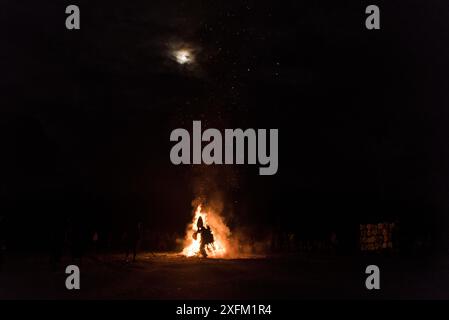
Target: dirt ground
(171, 276)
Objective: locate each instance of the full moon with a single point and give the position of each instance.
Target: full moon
(183, 56)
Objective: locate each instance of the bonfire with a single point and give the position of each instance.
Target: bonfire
(216, 246)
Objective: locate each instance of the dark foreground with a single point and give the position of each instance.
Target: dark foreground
(169, 276)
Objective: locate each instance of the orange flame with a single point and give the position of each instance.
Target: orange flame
(220, 248)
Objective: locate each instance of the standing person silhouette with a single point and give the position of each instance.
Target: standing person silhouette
(206, 236)
(132, 240)
(2, 240)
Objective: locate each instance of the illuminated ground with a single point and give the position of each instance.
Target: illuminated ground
(170, 276)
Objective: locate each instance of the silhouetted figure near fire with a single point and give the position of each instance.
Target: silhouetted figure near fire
(206, 236)
(77, 240)
(59, 237)
(2, 240)
(132, 238)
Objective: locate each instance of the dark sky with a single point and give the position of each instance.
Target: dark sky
(86, 115)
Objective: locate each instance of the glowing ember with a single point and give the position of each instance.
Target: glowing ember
(183, 56)
(219, 247)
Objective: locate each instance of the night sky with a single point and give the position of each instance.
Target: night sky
(362, 115)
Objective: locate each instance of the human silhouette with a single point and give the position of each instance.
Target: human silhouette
(207, 237)
(132, 238)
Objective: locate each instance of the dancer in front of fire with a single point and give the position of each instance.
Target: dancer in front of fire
(207, 238)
